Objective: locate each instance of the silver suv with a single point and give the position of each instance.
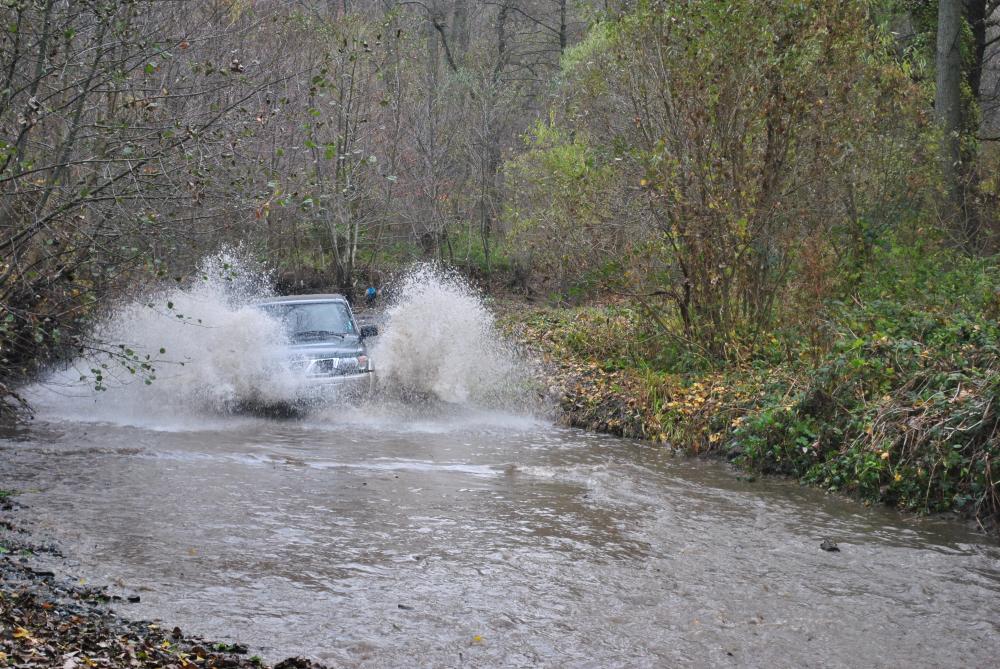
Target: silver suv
(326, 343)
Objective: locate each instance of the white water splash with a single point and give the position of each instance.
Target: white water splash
(212, 353)
(209, 350)
(441, 340)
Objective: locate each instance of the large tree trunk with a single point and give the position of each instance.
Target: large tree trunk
(948, 98)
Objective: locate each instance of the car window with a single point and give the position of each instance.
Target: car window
(312, 320)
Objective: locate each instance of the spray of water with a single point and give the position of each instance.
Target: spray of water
(208, 351)
(211, 352)
(441, 341)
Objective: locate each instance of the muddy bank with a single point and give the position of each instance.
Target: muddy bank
(50, 619)
(584, 393)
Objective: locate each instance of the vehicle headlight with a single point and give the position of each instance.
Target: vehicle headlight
(324, 366)
(336, 366)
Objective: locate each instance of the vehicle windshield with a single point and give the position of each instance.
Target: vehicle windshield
(312, 321)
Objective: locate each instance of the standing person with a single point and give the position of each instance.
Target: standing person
(370, 296)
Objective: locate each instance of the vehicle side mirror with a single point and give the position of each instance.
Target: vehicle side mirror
(369, 331)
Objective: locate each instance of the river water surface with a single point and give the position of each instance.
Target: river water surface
(449, 536)
(439, 533)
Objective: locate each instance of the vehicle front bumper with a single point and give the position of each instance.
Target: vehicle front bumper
(347, 386)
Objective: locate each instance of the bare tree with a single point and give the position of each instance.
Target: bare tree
(107, 134)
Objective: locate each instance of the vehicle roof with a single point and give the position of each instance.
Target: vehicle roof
(316, 297)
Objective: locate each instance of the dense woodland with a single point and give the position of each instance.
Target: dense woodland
(743, 185)
(336, 139)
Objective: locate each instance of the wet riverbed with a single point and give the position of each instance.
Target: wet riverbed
(395, 536)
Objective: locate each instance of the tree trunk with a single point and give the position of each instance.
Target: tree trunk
(562, 27)
(433, 56)
(460, 28)
(975, 14)
(948, 97)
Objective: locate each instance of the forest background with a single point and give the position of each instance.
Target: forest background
(761, 228)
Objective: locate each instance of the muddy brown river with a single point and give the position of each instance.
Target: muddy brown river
(432, 534)
(452, 537)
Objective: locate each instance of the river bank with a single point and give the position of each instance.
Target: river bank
(48, 619)
(903, 416)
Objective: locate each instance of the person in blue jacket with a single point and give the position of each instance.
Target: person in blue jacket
(370, 296)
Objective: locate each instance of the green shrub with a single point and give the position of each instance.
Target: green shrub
(903, 409)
